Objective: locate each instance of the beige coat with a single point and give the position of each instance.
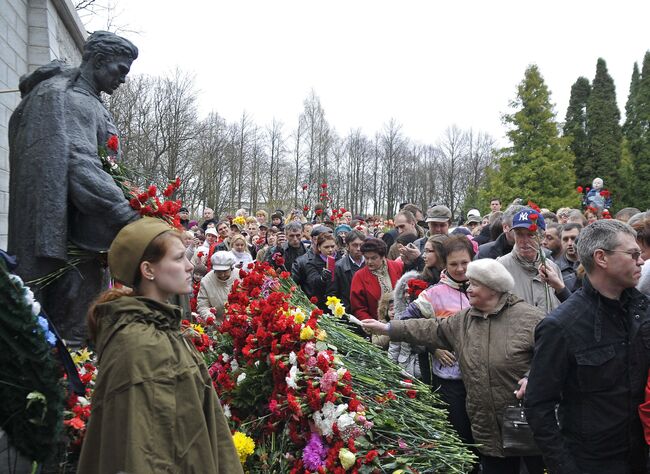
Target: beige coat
(528, 285)
(494, 352)
(214, 294)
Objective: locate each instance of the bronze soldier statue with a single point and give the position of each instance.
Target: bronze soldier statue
(60, 195)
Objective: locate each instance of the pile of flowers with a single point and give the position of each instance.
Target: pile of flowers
(77, 411)
(296, 383)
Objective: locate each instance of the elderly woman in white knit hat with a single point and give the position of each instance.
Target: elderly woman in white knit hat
(493, 340)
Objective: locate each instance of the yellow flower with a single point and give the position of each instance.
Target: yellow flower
(81, 356)
(244, 445)
(332, 301)
(339, 310)
(197, 328)
(321, 334)
(239, 220)
(298, 316)
(347, 458)
(306, 333)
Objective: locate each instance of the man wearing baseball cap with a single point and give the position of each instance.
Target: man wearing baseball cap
(538, 281)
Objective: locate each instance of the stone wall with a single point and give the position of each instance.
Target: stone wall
(32, 33)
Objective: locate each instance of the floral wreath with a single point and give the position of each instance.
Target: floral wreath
(30, 389)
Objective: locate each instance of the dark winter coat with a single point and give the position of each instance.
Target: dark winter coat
(592, 356)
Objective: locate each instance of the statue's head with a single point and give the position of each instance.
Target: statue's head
(109, 57)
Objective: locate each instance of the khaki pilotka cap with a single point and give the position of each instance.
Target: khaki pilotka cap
(129, 245)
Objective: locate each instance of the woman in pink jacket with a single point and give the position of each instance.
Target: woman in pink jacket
(443, 300)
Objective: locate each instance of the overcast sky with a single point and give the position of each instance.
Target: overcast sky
(428, 64)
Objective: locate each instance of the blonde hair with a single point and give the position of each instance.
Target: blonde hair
(237, 237)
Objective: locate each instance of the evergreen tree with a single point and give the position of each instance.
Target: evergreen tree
(575, 127)
(631, 129)
(538, 165)
(604, 130)
(640, 143)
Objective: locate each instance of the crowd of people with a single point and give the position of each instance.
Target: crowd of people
(459, 305)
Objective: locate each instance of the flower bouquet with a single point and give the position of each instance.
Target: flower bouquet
(298, 387)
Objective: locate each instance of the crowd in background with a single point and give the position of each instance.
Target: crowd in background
(456, 302)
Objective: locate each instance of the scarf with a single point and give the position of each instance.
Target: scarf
(383, 278)
(456, 285)
(529, 266)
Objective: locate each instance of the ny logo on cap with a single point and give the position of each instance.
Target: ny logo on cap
(523, 216)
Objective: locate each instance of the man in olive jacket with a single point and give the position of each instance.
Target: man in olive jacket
(592, 358)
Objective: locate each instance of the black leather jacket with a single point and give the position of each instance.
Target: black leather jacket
(591, 358)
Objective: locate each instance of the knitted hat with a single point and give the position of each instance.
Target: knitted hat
(492, 274)
(342, 228)
(129, 245)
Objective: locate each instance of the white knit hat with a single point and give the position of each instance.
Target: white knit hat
(491, 274)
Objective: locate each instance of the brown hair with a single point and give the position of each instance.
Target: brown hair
(323, 237)
(374, 245)
(154, 253)
(457, 243)
(642, 228)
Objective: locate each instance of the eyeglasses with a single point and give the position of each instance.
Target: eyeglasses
(635, 254)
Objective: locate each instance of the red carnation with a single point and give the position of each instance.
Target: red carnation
(324, 185)
(532, 227)
(313, 299)
(304, 187)
(135, 203)
(411, 393)
(168, 191)
(152, 190)
(113, 143)
(319, 212)
(534, 217)
(306, 208)
(579, 189)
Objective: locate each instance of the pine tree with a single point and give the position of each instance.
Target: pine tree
(631, 129)
(640, 144)
(575, 127)
(538, 165)
(604, 130)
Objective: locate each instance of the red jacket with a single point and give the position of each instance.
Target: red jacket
(365, 291)
(644, 412)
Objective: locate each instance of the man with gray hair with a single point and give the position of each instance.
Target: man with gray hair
(592, 356)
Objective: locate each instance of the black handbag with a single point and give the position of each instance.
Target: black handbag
(517, 437)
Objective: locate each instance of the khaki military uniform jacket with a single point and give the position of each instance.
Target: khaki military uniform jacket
(154, 409)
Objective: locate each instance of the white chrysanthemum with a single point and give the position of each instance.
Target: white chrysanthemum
(241, 378)
(292, 358)
(226, 411)
(234, 365)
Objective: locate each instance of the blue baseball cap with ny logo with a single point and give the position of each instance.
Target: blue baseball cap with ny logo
(522, 219)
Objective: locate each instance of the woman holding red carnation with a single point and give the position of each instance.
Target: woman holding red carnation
(154, 407)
